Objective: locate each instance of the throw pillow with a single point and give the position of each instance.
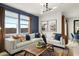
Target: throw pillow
(27, 37)
(37, 35)
(32, 36)
(14, 36)
(21, 38)
(57, 36)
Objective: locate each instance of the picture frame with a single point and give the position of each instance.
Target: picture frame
(52, 26)
(49, 26)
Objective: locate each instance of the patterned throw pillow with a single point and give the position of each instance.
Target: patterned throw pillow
(21, 38)
(15, 37)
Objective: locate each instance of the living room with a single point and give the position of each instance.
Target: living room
(38, 29)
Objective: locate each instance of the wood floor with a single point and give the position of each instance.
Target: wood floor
(63, 52)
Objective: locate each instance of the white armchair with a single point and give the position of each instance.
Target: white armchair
(52, 40)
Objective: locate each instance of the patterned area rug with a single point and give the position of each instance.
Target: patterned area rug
(48, 52)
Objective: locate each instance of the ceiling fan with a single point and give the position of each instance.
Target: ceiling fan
(45, 8)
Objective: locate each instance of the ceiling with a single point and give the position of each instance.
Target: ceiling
(35, 8)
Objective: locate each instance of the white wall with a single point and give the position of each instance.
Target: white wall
(51, 16)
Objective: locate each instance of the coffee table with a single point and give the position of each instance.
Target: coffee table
(36, 51)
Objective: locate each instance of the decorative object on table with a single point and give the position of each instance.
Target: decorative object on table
(40, 45)
(52, 47)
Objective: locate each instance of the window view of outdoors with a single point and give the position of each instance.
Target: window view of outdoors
(12, 21)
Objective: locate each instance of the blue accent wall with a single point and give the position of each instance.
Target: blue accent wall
(35, 24)
(35, 19)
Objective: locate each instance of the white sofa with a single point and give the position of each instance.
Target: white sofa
(12, 46)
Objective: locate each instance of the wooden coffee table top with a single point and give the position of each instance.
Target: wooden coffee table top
(34, 50)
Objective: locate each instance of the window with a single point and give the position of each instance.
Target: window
(24, 24)
(16, 23)
(11, 22)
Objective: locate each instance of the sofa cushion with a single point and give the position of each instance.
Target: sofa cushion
(22, 44)
(27, 37)
(37, 35)
(56, 41)
(57, 36)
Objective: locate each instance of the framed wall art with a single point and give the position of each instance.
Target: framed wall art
(49, 26)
